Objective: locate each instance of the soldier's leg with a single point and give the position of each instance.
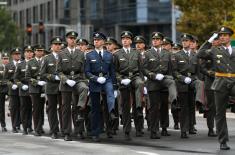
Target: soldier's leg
(82, 89)
(75, 112)
(211, 110)
(106, 117)
(41, 118)
(95, 113)
(2, 109)
(192, 117)
(52, 113)
(221, 100)
(24, 112)
(175, 116)
(66, 112)
(138, 85)
(155, 99)
(15, 107)
(184, 112)
(30, 117)
(88, 117)
(172, 90)
(164, 113)
(36, 112)
(126, 107)
(59, 111)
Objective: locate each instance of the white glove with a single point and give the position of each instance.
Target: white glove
(88, 93)
(115, 93)
(159, 77)
(212, 38)
(101, 80)
(145, 91)
(41, 83)
(126, 82)
(57, 78)
(25, 87)
(14, 87)
(43, 95)
(145, 78)
(187, 80)
(71, 83)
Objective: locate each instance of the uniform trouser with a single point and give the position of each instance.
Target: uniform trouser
(14, 105)
(198, 87)
(164, 112)
(95, 113)
(211, 109)
(138, 86)
(2, 109)
(88, 118)
(175, 115)
(38, 111)
(53, 101)
(26, 111)
(184, 111)
(221, 100)
(82, 90)
(106, 116)
(138, 120)
(192, 114)
(59, 111)
(155, 101)
(115, 123)
(66, 112)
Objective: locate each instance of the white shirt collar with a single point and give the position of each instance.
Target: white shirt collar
(55, 55)
(186, 52)
(125, 49)
(101, 50)
(157, 49)
(15, 62)
(38, 58)
(230, 50)
(71, 49)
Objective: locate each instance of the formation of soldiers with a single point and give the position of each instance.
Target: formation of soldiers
(90, 86)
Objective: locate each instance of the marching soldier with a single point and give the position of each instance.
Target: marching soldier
(49, 73)
(13, 92)
(36, 85)
(156, 68)
(223, 85)
(3, 90)
(23, 85)
(127, 63)
(70, 68)
(185, 70)
(100, 71)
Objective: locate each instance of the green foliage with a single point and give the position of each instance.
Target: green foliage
(10, 33)
(201, 17)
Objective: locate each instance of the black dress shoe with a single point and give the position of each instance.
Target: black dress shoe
(164, 132)
(96, 138)
(114, 132)
(127, 136)
(14, 130)
(184, 135)
(4, 129)
(81, 135)
(37, 134)
(154, 135)
(18, 128)
(25, 132)
(109, 135)
(113, 117)
(79, 118)
(54, 136)
(67, 138)
(30, 130)
(139, 134)
(176, 127)
(211, 133)
(42, 131)
(192, 132)
(224, 146)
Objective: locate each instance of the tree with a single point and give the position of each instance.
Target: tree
(201, 17)
(10, 33)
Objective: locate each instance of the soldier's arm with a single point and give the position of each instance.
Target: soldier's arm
(17, 78)
(113, 75)
(63, 78)
(43, 71)
(7, 76)
(28, 75)
(203, 51)
(140, 66)
(88, 73)
(116, 65)
(175, 70)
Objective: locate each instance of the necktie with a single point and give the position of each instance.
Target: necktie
(227, 49)
(100, 55)
(39, 62)
(127, 51)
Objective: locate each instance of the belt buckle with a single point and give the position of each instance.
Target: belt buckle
(189, 74)
(38, 77)
(101, 74)
(130, 74)
(229, 75)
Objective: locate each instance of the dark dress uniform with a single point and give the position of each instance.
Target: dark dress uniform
(128, 67)
(96, 67)
(223, 85)
(71, 67)
(48, 73)
(185, 65)
(158, 62)
(25, 100)
(35, 91)
(14, 102)
(3, 93)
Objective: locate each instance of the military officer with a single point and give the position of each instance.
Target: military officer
(71, 68)
(156, 68)
(99, 70)
(3, 89)
(82, 44)
(131, 84)
(185, 70)
(23, 85)
(49, 73)
(36, 85)
(223, 85)
(176, 47)
(13, 92)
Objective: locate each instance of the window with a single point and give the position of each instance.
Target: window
(35, 14)
(56, 9)
(49, 11)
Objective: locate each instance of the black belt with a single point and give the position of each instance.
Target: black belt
(72, 73)
(100, 74)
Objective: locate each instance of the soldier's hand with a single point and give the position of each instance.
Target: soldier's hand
(57, 78)
(145, 78)
(41, 83)
(115, 93)
(25, 87)
(159, 77)
(125, 82)
(43, 95)
(14, 87)
(145, 91)
(187, 80)
(71, 83)
(101, 80)
(212, 38)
